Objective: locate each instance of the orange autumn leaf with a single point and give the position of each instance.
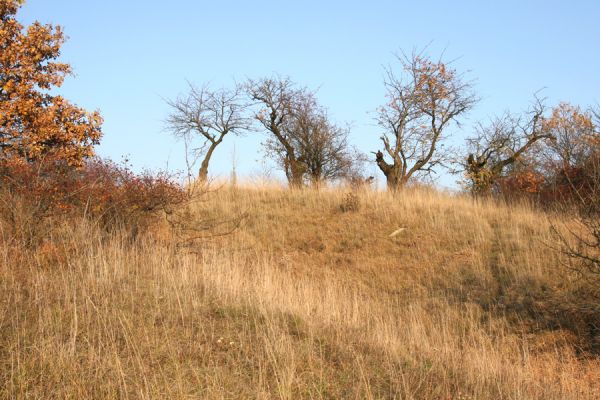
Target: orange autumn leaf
(34, 122)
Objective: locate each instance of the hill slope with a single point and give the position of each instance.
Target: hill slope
(309, 298)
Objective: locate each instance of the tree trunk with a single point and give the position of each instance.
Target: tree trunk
(394, 181)
(393, 173)
(203, 172)
(296, 174)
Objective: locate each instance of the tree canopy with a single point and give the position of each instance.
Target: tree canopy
(33, 121)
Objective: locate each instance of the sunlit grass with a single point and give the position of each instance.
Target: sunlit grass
(304, 300)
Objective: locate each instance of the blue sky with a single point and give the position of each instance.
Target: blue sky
(130, 55)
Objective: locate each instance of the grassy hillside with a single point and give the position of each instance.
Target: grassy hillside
(309, 298)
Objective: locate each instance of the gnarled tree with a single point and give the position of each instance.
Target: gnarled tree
(33, 122)
(422, 102)
(501, 144)
(210, 115)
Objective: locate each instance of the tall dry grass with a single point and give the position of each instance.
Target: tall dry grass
(304, 300)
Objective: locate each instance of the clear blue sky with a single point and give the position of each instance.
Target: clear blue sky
(129, 55)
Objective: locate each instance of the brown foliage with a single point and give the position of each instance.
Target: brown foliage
(521, 183)
(546, 158)
(573, 131)
(497, 152)
(37, 195)
(32, 121)
(570, 162)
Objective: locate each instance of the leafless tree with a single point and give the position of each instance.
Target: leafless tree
(210, 115)
(275, 97)
(303, 140)
(499, 145)
(321, 145)
(422, 101)
(326, 151)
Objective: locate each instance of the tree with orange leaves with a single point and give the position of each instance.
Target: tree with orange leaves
(573, 131)
(570, 161)
(33, 122)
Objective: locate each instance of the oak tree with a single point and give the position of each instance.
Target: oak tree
(34, 122)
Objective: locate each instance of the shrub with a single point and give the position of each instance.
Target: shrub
(520, 185)
(350, 203)
(111, 195)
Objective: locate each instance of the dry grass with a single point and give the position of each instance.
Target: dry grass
(306, 300)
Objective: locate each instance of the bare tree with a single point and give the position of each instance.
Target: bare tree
(502, 143)
(307, 145)
(327, 153)
(422, 102)
(276, 98)
(320, 144)
(209, 115)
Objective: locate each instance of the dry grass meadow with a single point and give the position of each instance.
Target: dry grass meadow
(309, 298)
